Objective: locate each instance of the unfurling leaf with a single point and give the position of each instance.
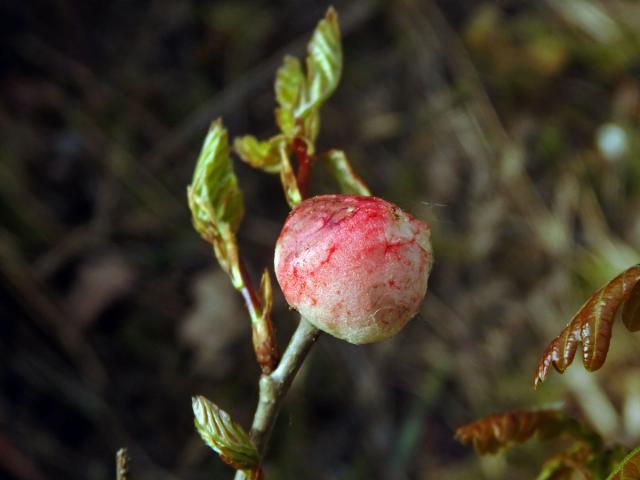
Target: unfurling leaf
(592, 326)
(300, 96)
(214, 196)
(224, 436)
(215, 199)
(628, 468)
(324, 64)
(261, 155)
(340, 169)
(631, 310)
(494, 433)
(290, 83)
(264, 338)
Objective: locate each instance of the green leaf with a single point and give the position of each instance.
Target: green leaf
(260, 155)
(340, 169)
(628, 468)
(214, 196)
(290, 83)
(324, 63)
(223, 435)
(286, 121)
(310, 129)
(216, 200)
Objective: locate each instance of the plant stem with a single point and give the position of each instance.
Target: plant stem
(122, 464)
(305, 164)
(249, 293)
(274, 387)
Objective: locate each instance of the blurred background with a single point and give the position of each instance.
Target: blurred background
(510, 126)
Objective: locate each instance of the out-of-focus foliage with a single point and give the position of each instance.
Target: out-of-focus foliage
(586, 455)
(494, 433)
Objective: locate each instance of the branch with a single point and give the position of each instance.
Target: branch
(122, 464)
(274, 387)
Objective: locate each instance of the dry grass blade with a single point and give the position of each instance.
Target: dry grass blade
(591, 326)
(494, 433)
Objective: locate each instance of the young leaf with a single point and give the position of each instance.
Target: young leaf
(289, 87)
(264, 338)
(290, 83)
(496, 432)
(224, 436)
(324, 64)
(216, 201)
(340, 169)
(214, 196)
(592, 326)
(628, 468)
(261, 155)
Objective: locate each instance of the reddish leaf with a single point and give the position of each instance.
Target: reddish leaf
(631, 310)
(491, 434)
(629, 468)
(564, 465)
(591, 325)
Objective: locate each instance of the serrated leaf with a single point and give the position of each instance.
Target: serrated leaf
(494, 433)
(631, 310)
(223, 435)
(340, 169)
(259, 154)
(214, 196)
(290, 83)
(592, 326)
(324, 64)
(216, 201)
(310, 129)
(628, 468)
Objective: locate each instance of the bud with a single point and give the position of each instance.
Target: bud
(356, 267)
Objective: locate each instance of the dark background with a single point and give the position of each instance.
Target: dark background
(511, 127)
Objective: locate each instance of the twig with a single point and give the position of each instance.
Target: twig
(275, 386)
(122, 464)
